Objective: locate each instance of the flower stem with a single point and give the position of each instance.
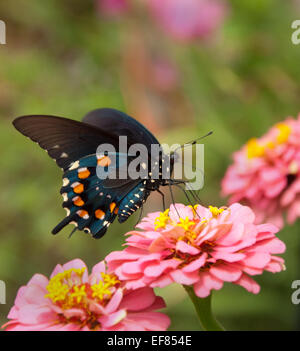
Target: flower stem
(204, 312)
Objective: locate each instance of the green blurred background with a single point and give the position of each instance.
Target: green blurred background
(64, 58)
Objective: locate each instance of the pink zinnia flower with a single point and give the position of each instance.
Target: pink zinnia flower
(265, 174)
(189, 19)
(204, 248)
(112, 7)
(74, 300)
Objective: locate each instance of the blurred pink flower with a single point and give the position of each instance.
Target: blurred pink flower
(189, 19)
(164, 74)
(205, 247)
(73, 300)
(265, 174)
(112, 7)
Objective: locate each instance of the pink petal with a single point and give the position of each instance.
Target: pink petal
(39, 280)
(31, 314)
(241, 214)
(35, 295)
(195, 265)
(162, 281)
(227, 256)
(113, 318)
(226, 272)
(248, 283)
(155, 270)
(154, 321)
(186, 248)
(114, 302)
(206, 283)
(184, 278)
(99, 267)
(139, 299)
(257, 259)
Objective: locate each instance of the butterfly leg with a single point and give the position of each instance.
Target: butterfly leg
(72, 232)
(179, 182)
(194, 193)
(163, 198)
(173, 201)
(140, 215)
(186, 195)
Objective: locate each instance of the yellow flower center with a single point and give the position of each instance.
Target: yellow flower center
(215, 210)
(284, 133)
(185, 223)
(67, 290)
(162, 220)
(255, 149)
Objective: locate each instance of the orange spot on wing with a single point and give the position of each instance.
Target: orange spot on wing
(82, 213)
(112, 206)
(99, 214)
(78, 189)
(116, 210)
(104, 161)
(84, 174)
(77, 201)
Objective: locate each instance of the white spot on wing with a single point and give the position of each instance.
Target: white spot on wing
(66, 181)
(74, 165)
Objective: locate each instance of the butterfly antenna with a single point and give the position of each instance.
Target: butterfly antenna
(193, 142)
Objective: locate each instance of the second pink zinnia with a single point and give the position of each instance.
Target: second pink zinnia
(203, 247)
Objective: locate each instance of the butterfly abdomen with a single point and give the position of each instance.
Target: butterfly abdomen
(133, 201)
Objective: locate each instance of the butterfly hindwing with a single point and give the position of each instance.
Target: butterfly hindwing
(90, 205)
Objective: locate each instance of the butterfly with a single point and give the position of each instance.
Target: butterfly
(93, 203)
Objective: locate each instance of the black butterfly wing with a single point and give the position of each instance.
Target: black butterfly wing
(91, 203)
(119, 123)
(65, 140)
